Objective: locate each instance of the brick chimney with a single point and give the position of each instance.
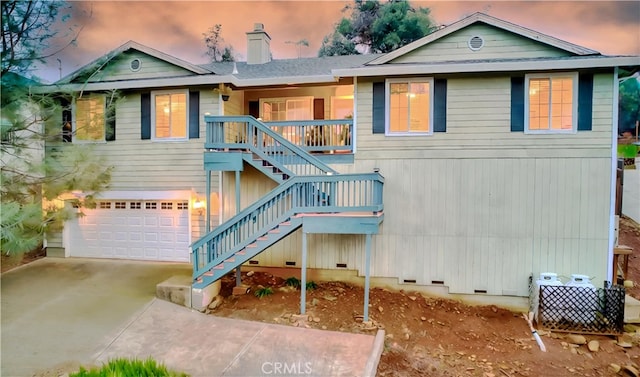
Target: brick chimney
(258, 51)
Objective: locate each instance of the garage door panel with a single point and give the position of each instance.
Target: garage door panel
(132, 230)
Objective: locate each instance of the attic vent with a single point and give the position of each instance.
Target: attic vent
(135, 65)
(476, 43)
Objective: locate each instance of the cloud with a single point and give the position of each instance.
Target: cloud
(176, 27)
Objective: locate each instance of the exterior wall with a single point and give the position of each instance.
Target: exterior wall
(498, 44)
(147, 165)
(489, 206)
(151, 68)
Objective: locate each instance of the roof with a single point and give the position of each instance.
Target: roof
(131, 45)
(289, 67)
(492, 21)
(491, 65)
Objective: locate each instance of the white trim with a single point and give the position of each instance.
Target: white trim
(286, 101)
(145, 195)
(481, 17)
(355, 116)
(611, 273)
(387, 95)
(153, 115)
(139, 65)
(529, 65)
(475, 48)
(574, 103)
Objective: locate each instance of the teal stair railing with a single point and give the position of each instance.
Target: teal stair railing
(306, 186)
(277, 214)
(246, 133)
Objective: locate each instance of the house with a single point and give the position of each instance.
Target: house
(496, 143)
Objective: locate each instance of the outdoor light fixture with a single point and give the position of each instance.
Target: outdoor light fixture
(199, 206)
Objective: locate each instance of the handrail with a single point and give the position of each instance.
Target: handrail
(317, 135)
(300, 194)
(267, 143)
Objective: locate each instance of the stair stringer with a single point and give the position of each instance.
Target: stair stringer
(231, 261)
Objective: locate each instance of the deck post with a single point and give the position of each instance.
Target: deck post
(239, 267)
(367, 271)
(207, 221)
(303, 275)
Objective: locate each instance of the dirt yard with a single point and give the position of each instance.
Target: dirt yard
(437, 337)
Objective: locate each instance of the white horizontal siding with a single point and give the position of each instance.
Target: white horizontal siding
(498, 44)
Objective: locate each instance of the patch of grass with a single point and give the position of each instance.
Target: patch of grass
(293, 282)
(128, 367)
(262, 292)
(312, 285)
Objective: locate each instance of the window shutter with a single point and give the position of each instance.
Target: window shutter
(67, 120)
(110, 122)
(318, 108)
(254, 109)
(145, 116)
(585, 101)
(517, 104)
(194, 115)
(378, 115)
(440, 105)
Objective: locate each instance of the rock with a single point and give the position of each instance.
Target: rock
(330, 298)
(215, 303)
(389, 336)
(574, 351)
(631, 370)
(628, 283)
(380, 309)
(615, 368)
(412, 298)
(241, 290)
(423, 318)
(630, 328)
(250, 273)
(316, 319)
(576, 339)
(324, 327)
(314, 302)
(625, 341)
(594, 346)
(299, 317)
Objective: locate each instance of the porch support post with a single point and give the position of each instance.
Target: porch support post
(367, 271)
(239, 267)
(303, 275)
(207, 220)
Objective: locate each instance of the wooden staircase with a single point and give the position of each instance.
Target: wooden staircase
(305, 186)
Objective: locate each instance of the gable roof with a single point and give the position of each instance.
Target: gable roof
(131, 45)
(492, 21)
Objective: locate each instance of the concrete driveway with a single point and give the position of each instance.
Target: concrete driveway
(62, 312)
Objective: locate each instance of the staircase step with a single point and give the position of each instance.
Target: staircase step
(263, 238)
(230, 260)
(253, 245)
(208, 273)
(241, 252)
(275, 230)
(219, 267)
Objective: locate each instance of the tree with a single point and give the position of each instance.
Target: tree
(34, 183)
(375, 27)
(628, 102)
(214, 42)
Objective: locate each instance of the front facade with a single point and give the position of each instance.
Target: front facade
(496, 145)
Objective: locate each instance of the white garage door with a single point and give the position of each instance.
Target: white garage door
(143, 230)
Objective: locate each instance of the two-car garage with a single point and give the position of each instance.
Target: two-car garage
(138, 229)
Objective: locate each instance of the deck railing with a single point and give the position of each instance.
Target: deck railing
(249, 134)
(301, 194)
(324, 136)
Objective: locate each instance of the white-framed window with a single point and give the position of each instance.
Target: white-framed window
(288, 108)
(409, 104)
(89, 121)
(551, 103)
(169, 115)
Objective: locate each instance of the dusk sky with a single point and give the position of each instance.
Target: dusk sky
(176, 27)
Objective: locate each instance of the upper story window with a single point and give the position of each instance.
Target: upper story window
(551, 103)
(292, 108)
(409, 106)
(170, 118)
(89, 124)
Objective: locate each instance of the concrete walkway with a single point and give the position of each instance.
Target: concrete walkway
(81, 311)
